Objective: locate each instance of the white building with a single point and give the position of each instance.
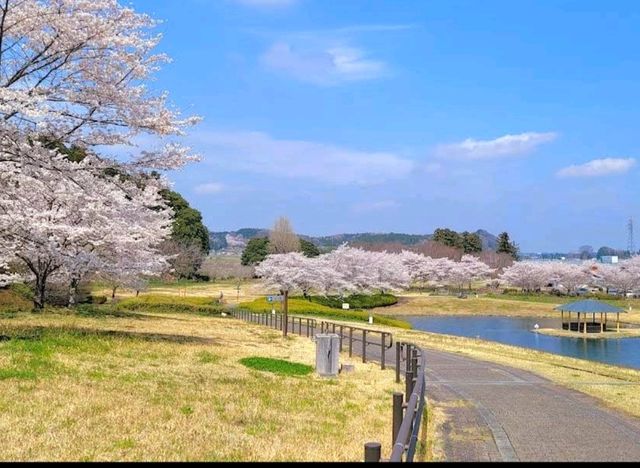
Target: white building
(609, 259)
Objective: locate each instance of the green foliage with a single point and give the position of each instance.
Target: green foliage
(506, 246)
(447, 237)
(300, 306)
(23, 290)
(157, 303)
(256, 251)
(187, 226)
(356, 301)
(471, 242)
(97, 299)
(277, 366)
(308, 248)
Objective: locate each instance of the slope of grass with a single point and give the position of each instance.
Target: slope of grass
(161, 303)
(172, 388)
(299, 306)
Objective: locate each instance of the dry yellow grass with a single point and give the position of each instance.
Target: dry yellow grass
(169, 387)
(451, 305)
(249, 290)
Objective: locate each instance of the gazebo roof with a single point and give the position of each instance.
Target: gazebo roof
(589, 306)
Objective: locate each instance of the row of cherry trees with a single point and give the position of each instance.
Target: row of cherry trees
(531, 276)
(72, 84)
(350, 270)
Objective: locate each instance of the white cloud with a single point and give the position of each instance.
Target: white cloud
(209, 188)
(598, 167)
(368, 207)
(504, 146)
(327, 65)
(266, 3)
(298, 159)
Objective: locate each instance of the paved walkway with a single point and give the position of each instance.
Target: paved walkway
(498, 413)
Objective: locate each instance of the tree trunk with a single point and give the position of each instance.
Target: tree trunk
(73, 290)
(137, 292)
(41, 289)
(113, 293)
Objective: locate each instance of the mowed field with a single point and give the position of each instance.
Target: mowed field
(533, 306)
(170, 387)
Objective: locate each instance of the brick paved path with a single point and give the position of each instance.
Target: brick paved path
(498, 413)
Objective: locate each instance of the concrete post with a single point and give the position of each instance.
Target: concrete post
(327, 354)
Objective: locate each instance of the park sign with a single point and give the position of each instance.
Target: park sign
(275, 298)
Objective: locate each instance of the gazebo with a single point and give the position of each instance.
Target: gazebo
(583, 309)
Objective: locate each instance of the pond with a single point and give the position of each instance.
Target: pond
(517, 331)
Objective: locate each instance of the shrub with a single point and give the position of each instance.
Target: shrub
(304, 307)
(97, 299)
(356, 301)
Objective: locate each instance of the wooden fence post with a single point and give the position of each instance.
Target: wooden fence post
(364, 345)
(372, 452)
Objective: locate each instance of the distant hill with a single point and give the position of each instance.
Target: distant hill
(232, 242)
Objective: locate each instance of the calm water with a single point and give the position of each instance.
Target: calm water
(516, 331)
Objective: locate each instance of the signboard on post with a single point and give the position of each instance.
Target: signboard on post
(275, 298)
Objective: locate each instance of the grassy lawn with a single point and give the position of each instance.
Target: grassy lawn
(249, 290)
(451, 305)
(149, 386)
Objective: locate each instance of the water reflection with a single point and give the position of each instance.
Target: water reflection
(516, 331)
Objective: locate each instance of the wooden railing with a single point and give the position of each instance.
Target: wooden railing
(350, 336)
(408, 408)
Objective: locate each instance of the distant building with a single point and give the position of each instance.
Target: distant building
(609, 259)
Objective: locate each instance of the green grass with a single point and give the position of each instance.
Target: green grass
(356, 301)
(304, 307)
(276, 366)
(158, 303)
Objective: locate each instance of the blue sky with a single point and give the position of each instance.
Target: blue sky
(405, 116)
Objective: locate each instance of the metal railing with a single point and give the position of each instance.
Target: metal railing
(350, 336)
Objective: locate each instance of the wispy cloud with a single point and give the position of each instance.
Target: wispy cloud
(598, 167)
(502, 147)
(327, 66)
(368, 207)
(260, 153)
(209, 188)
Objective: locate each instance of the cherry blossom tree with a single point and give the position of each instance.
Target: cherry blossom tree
(467, 270)
(72, 76)
(527, 275)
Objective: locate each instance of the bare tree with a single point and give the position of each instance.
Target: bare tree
(282, 239)
(435, 249)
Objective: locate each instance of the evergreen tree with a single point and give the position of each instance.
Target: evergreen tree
(309, 249)
(256, 251)
(506, 246)
(447, 237)
(471, 242)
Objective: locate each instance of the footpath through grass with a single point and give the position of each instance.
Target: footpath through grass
(171, 386)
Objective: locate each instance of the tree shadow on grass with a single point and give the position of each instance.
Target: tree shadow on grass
(40, 332)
